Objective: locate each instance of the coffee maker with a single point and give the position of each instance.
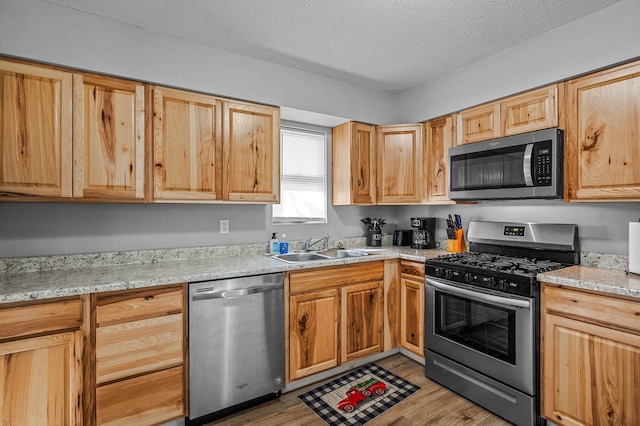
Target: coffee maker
(424, 230)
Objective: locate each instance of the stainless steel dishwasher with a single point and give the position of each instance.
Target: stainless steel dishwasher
(236, 344)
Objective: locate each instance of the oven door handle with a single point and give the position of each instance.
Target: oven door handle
(484, 297)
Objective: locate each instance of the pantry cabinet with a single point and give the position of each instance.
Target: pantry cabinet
(590, 358)
(35, 131)
(438, 138)
(399, 167)
(41, 363)
(108, 138)
(354, 164)
(139, 355)
(187, 146)
(526, 112)
(335, 316)
(251, 152)
(602, 137)
(412, 306)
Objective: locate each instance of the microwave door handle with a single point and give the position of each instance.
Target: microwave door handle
(527, 165)
(477, 295)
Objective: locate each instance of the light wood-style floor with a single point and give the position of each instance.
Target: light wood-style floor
(431, 405)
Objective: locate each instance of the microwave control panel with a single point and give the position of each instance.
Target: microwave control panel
(542, 167)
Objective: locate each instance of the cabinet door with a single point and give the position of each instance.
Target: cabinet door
(361, 320)
(479, 124)
(41, 380)
(108, 138)
(251, 152)
(439, 138)
(399, 168)
(602, 139)
(313, 332)
(412, 307)
(35, 131)
(590, 374)
(354, 164)
(187, 145)
(530, 111)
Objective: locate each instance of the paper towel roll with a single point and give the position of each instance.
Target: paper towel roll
(634, 247)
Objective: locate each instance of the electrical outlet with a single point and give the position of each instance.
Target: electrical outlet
(224, 226)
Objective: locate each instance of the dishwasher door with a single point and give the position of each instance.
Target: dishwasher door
(236, 341)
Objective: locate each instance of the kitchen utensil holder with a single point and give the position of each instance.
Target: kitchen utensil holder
(458, 245)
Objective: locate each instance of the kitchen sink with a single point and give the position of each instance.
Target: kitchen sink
(300, 257)
(321, 255)
(342, 253)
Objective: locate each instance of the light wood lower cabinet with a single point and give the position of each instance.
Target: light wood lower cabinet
(362, 317)
(139, 356)
(41, 364)
(412, 306)
(590, 358)
(335, 315)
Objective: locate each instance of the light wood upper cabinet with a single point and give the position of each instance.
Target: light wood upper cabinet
(478, 124)
(251, 152)
(602, 137)
(354, 164)
(438, 137)
(590, 358)
(530, 111)
(108, 138)
(187, 145)
(362, 320)
(412, 306)
(41, 364)
(35, 131)
(399, 168)
(526, 112)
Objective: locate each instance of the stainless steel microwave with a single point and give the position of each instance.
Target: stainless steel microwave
(523, 166)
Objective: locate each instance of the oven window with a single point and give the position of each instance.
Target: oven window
(483, 327)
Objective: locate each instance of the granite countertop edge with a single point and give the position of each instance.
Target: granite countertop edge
(32, 286)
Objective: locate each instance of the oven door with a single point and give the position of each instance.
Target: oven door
(489, 332)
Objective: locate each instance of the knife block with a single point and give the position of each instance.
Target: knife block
(457, 245)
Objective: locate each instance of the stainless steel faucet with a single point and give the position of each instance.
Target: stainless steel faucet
(308, 244)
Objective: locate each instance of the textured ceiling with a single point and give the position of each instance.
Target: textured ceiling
(389, 45)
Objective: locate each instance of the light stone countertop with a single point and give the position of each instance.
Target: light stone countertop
(596, 279)
(24, 286)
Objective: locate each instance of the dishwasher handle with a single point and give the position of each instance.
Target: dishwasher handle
(228, 294)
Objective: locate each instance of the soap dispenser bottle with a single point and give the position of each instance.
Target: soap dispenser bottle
(274, 244)
(284, 245)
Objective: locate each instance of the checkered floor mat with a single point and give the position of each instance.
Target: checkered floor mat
(358, 396)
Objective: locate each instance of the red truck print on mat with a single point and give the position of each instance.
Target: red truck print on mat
(360, 392)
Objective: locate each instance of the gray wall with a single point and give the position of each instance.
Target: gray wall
(38, 30)
(606, 37)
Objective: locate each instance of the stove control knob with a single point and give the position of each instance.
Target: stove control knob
(437, 272)
(502, 284)
(489, 281)
(448, 273)
(468, 277)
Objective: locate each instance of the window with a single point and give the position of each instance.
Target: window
(303, 188)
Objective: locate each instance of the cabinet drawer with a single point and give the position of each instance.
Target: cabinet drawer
(150, 399)
(40, 318)
(317, 279)
(600, 308)
(137, 347)
(415, 269)
(118, 307)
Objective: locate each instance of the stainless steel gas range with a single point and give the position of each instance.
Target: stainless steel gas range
(482, 327)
